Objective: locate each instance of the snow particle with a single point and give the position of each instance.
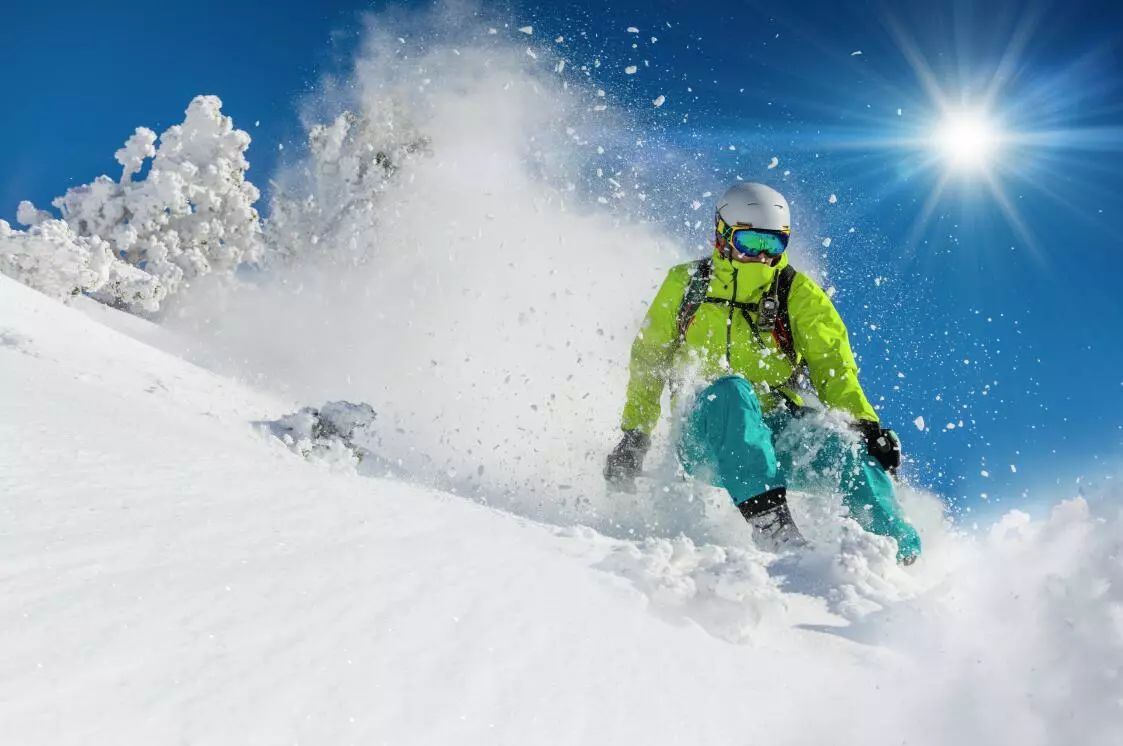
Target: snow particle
(919, 422)
(631, 69)
(659, 100)
(774, 162)
(633, 30)
(855, 53)
(833, 199)
(528, 30)
(827, 242)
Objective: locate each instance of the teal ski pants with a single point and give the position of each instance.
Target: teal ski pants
(727, 440)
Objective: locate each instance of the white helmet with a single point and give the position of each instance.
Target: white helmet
(756, 205)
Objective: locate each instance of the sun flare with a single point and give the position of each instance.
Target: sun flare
(966, 140)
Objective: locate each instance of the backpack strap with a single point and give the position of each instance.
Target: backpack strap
(783, 330)
(695, 294)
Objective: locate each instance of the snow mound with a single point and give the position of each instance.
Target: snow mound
(726, 590)
(327, 434)
(856, 575)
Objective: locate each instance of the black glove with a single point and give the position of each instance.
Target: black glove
(883, 444)
(625, 462)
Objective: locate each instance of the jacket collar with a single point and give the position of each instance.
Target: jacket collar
(753, 278)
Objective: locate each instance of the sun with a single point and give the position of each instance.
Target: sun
(967, 140)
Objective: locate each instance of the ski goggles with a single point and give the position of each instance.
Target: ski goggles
(752, 241)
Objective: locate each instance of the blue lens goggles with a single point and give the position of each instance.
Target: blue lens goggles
(751, 241)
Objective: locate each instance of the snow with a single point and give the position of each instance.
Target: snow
(832, 199)
(774, 162)
(175, 574)
(659, 100)
(630, 70)
(919, 422)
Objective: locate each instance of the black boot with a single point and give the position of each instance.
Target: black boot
(773, 527)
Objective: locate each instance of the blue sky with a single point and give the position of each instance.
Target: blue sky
(959, 316)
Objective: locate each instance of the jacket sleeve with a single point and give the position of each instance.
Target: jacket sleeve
(820, 337)
(652, 351)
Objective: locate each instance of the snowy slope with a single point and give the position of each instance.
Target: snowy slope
(171, 573)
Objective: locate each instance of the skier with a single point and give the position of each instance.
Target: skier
(735, 336)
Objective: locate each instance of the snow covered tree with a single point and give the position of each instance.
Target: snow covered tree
(54, 260)
(191, 215)
(352, 161)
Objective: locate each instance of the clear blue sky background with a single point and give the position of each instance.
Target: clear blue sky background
(966, 300)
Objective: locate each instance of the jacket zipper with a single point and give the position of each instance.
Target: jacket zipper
(729, 325)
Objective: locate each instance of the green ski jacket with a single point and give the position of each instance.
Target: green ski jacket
(720, 341)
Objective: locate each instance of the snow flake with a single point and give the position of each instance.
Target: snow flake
(855, 53)
(919, 422)
(633, 30)
(559, 40)
(984, 473)
(695, 204)
(530, 53)
(659, 100)
(774, 162)
(631, 69)
(827, 242)
(833, 199)
(528, 30)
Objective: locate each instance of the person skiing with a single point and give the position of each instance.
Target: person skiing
(740, 333)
